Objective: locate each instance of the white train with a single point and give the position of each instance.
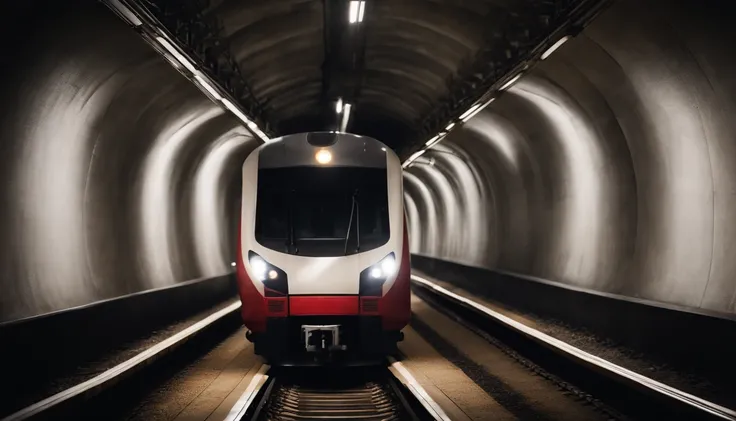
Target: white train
(323, 261)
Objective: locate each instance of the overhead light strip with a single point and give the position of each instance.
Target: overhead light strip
(125, 13)
(511, 82)
(478, 107)
(413, 157)
(156, 34)
(209, 88)
(177, 55)
(554, 47)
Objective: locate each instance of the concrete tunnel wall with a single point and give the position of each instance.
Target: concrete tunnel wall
(118, 175)
(611, 166)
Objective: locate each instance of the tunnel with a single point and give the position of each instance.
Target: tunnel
(551, 150)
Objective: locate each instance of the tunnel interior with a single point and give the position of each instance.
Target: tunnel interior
(607, 166)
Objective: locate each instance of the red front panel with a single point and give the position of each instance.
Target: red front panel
(323, 305)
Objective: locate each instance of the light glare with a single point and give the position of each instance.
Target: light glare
(388, 266)
(376, 273)
(338, 107)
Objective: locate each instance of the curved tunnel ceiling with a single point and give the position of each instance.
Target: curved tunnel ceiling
(406, 69)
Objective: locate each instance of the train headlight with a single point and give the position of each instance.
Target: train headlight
(323, 156)
(274, 279)
(384, 268)
(373, 278)
(259, 267)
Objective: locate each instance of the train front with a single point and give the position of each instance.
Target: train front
(323, 267)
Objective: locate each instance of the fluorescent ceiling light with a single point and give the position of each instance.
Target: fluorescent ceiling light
(450, 126)
(413, 157)
(431, 141)
(361, 11)
(470, 111)
(435, 140)
(555, 46)
(338, 107)
(177, 55)
(356, 12)
(126, 13)
(233, 109)
(511, 82)
(248, 122)
(346, 117)
(353, 15)
(473, 111)
(209, 88)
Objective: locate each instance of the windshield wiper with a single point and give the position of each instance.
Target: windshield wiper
(354, 209)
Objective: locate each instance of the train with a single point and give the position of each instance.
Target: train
(323, 269)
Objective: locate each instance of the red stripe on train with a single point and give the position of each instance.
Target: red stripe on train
(323, 305)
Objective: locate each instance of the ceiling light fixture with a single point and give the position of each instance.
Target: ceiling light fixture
(158, 38)
(413, 157)
(469, 112)
(338, 107)
(248, 122)
(125, 13)
(361, 11)
(177, 55)
(555, 46)
(345, 117)
(209, 88)
(356, 12)
(510, 82)
(474, 110)
(450, 126)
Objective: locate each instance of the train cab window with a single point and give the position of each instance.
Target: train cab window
(321, 212)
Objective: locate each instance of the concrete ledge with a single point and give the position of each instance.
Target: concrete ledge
(41, 348)
(694, 339)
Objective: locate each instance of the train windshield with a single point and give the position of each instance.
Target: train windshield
(321, 212)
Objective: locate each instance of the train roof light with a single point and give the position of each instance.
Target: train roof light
(450, 126)
(323, 156)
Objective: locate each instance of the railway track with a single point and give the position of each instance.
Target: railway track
(384, 392)
(629, 394)
(365, 393)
